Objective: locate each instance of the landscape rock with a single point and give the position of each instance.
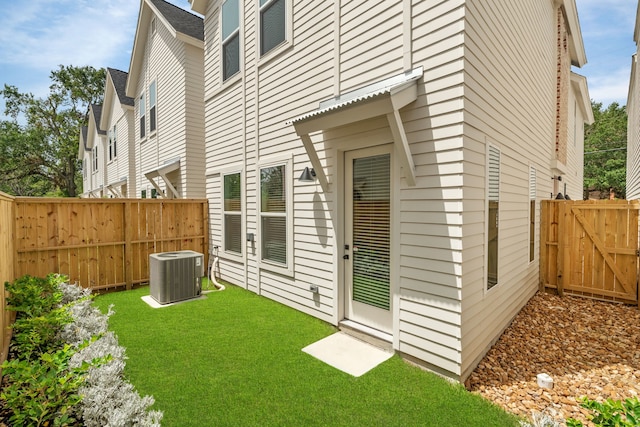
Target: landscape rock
(590, 348)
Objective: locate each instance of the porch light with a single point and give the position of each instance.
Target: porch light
(308, 175)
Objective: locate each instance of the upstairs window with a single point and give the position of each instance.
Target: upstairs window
(95, 159)
(152, 106)
(230, 38)
(112, 144)
(273, 24)
(115, 142)
(84, 168)
(141, 114)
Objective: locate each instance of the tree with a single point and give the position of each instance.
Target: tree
(47, 146)
(605, 149)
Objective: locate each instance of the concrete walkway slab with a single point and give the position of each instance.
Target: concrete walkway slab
(347, 353)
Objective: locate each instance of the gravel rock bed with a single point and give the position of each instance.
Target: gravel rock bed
(590, 348)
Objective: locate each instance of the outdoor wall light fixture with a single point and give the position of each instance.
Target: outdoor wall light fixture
(308, 175)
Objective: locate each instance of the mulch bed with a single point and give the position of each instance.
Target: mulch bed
(590, 348)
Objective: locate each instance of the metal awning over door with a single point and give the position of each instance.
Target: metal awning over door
(384, 98)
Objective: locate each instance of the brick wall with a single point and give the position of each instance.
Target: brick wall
(562, 89)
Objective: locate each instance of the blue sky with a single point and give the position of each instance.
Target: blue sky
(37, 35)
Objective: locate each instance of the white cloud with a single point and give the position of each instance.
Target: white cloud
(41, 34)
(608, 88)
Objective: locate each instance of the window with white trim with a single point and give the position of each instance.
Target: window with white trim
(493, 208)
(276, 238)
(230, 38)
(115, 142)
(95, 159)
(153, 25)
(112, 152)
(141, 115)
(152, 107)
(532, 213)
(273, 24)
(84, 168)
(232, 213)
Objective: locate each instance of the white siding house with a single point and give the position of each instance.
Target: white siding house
(633, 122)
(166, 81)
(424, 134)
(118, 122)
(91, 151)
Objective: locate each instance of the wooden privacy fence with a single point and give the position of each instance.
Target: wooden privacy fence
(104, 243)
(6, 269)
(590, 248)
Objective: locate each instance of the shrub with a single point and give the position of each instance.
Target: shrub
(39, 334)
(611, 413)
(43, 391)
(34, 296)
(545, 418)
(69, 366)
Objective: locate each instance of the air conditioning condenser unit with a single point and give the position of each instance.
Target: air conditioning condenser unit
(175, 276)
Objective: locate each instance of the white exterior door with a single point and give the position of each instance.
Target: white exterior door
(368, 237)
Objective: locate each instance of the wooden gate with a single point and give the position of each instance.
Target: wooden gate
(590, 248)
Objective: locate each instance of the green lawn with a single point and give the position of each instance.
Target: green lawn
(235, 359)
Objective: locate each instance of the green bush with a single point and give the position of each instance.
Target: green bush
(34, 296)
(39, 334)
(611, 413)
(43, 391)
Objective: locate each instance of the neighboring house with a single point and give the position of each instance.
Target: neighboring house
(117, 118)
(633, 122)
(166, 81)
(425, 135)
(91, 153)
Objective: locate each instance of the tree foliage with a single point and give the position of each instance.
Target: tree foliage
(605, 149)
(40, 156)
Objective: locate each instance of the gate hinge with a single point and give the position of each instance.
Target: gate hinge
(638, 252)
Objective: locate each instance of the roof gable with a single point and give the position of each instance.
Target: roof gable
(114, 91)
(119, 81)
(82, 147)
(96, 109)
(182, 25)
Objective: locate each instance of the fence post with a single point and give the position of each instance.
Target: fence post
(562, 221)
(128, 250)
(542, 275)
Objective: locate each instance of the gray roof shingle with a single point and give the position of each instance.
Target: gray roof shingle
(97, 112)
(119, 79)
(183, 21)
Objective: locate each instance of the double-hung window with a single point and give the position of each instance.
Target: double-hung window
(276, 239)
(112, 143)
(232, 213)
(230, 38)
(95, 159)
(114, 134)
(152, 107)
(493, 220)
(532, 213)
(141, 114)
(273, 24)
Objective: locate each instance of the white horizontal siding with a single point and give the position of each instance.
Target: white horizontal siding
(177, 69)
(633, 134)
(510, 102)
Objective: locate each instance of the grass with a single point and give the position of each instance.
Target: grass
(235, 359)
